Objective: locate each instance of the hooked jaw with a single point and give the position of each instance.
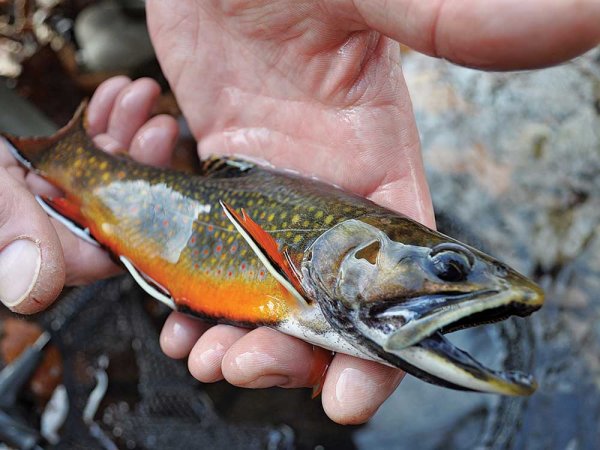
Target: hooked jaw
(396, 301)
(420, 342)
(436, 356)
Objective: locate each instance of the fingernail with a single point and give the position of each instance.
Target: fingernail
(19, 269)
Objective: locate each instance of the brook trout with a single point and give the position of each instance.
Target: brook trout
(245, 245)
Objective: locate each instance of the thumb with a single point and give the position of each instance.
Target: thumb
(32, 268)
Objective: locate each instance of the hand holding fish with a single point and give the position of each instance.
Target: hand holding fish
(316, 87)
(305, 86)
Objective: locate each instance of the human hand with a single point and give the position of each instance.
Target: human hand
(316, 86)
(39, 255)
(302, 91)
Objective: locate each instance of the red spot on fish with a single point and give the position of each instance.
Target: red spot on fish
(219, 248)
(121, 174)
(165, 223)
(193, 240)
(233, 248)
(230, 273)
(195, 252)
(210, 228)
(196, 266)
(205, 251)
(219, 272)
(243, 266)
(262, 273)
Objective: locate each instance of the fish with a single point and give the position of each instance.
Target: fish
(247, 245)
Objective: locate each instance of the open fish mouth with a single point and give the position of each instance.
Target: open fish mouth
(438, 360)
(444, 364)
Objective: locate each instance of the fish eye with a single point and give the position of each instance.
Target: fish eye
(451, 262)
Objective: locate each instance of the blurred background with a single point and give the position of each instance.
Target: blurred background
(514, 165)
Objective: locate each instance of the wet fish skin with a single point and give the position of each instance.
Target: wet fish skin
(248, 246)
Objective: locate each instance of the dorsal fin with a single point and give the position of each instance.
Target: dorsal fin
(27, 149)
(224, 167)
(267, 250)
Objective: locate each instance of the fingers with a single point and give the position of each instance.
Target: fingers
(206, 359)
(355, 388)
(32, 268)
(155, 141)
(265, 358)
(499, 34)
(254, 359)
(102, 103)
(180, 333)
(118, 118)
(132, 108)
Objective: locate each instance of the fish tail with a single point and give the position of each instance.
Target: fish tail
(29, 151)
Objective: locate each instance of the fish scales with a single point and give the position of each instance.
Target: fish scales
(174, 228)
(249, 246)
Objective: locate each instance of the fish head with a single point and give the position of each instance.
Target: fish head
(395, 287)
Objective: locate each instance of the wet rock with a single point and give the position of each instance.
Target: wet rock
(111, 40)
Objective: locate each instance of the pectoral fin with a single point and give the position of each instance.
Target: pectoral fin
(267, 250)
(69, 214)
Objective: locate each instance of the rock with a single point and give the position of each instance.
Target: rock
(110, 40)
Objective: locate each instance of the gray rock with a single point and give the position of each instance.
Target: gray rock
(110, 40)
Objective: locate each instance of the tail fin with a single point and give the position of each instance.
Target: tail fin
(28, 150)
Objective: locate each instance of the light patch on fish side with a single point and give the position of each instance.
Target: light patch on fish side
(153, 204)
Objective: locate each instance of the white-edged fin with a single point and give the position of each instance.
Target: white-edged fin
(16, 154)
(146, 286)
(240, 164)
(71, 226)
(264, 259)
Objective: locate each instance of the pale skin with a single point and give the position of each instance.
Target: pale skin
(314, 86)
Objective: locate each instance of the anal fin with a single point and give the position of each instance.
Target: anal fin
(147, 284)
(67, 213)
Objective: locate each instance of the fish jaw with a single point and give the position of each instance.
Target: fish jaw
(438, 357)
(453, 312)
(454, 368)
(395, 300)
